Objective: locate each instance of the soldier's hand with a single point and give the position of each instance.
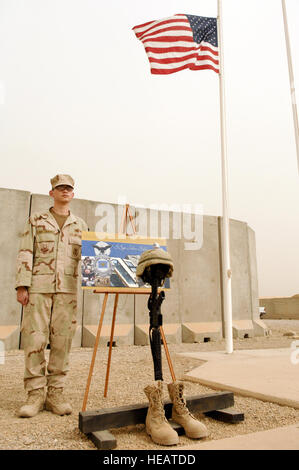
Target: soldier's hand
(22, 295)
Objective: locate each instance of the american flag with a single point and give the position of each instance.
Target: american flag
(180, 42)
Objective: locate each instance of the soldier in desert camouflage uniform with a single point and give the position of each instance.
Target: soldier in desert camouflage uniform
(46, 283)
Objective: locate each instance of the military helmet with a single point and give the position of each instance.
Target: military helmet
(153, 257)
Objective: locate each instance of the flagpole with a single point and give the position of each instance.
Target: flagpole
(226, 270)
(291, 75)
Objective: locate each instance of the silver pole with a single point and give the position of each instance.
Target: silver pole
(291, 74)
(226, 272)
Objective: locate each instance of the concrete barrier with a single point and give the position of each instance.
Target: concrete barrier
(201, 332)
(172, 331)
(97, 212)
(154, 223)
(193, 307)
(14, 210)
(281, 308)
(200, 296)
(243, 329)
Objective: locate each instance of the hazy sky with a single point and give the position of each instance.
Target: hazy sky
(77, 97)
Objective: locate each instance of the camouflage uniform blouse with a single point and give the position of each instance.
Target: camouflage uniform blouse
(48, 257)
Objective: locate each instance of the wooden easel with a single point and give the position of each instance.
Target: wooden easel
(117, 291)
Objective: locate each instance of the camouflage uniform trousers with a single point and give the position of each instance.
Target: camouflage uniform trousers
(48, 318)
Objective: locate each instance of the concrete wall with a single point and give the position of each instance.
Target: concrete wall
(14, 210)
(281, 307)
(200, 279)
(193, 308)
(124, 330)
(171, 307)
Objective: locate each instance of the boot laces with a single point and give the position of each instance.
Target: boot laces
(158, 406)
(33, 396)
(181, 406)
(180, 402)
(56, 393)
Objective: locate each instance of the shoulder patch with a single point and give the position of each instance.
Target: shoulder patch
(36, 216)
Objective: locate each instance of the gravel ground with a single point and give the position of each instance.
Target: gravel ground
(131, 370)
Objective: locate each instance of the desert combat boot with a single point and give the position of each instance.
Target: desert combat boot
(56, 402)
(156, 424)
(34, 404)
(181, 415)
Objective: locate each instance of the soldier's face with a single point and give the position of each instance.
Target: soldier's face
(62, 193)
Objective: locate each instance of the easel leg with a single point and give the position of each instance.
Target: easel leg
(167, 354)
(110, 344)
(94, 352)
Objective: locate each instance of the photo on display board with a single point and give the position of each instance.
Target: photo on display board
(111, 262)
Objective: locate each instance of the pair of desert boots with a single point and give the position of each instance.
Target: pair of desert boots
(37, 401)
(156, 423)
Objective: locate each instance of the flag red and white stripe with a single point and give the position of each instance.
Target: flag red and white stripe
(170, 46)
